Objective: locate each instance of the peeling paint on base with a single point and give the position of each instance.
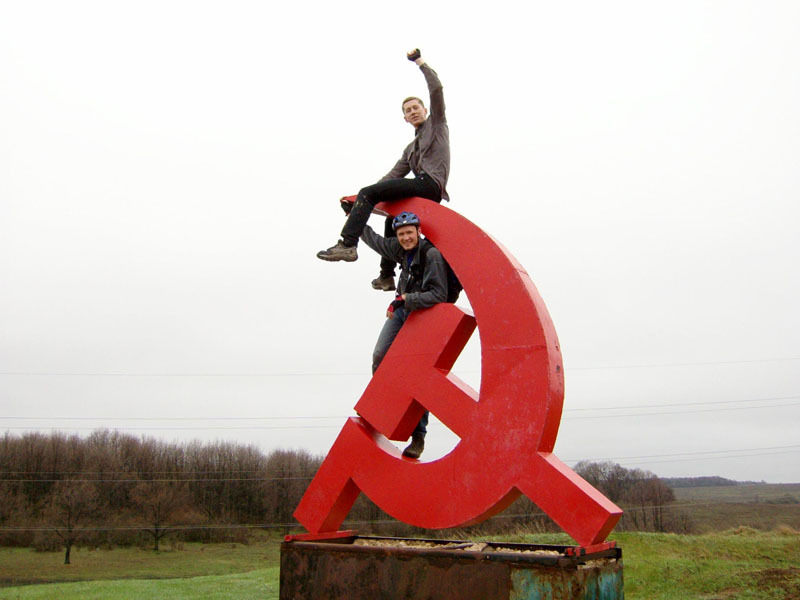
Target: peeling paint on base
(594, 583)
(355, 568)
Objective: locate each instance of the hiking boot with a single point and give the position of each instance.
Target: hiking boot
(339, 252)
(415, 448)
(385, 284)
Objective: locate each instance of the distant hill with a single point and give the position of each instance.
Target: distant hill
(685, 482)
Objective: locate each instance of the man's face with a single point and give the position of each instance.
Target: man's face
(408, 236)
(414, 113)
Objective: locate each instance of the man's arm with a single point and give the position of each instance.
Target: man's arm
(400, 169)
(387, 247)
(435, 89)
(434, 283)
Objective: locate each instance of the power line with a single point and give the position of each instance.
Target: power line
(717, 453)
(162, 528)
(344, 524)
(698, 403)
(165, 375)
(190, 472)
(655, 462)
(681, 412)
(688, 364)
(170, 480)
(265, 427)
(359, 373)
(697, 453)
(257, 427)
(195, 473)
(288, 418)
(341, 417)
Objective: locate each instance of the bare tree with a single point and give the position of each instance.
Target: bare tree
(133, 481)
(162, 505)
(289, 473)
(73, 506)
(642, 493)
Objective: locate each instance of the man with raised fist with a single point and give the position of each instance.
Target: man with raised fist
(427, 157)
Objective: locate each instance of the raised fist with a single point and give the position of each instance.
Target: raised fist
(414, 54)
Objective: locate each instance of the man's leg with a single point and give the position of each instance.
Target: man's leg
(426, 188)
(417, 445)
(368, 197)
(391, 327)
(390, 330)
(385, 280)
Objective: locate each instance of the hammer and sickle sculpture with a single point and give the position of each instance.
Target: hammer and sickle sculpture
(507, 432)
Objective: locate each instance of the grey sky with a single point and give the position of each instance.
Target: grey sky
(169, 169)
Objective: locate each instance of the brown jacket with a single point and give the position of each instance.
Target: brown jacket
(430, 151)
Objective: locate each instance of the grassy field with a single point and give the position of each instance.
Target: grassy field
(741, 564)
(23, 565)
(744, 564)
(762, 506)
(766, 493)
(261, 583)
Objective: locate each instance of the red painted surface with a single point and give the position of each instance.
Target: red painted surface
(316, 537)
(584, 550)
(507, 432)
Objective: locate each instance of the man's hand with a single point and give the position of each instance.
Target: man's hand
(397, 303)
(346, 205)
(414, 55)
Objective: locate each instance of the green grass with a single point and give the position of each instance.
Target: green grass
(262, 583)
(24, 565)
(741, 564)
(762, 506)
(756, 493)
(711, 517)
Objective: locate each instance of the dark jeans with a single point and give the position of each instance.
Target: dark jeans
(386, 191)
(390, 330)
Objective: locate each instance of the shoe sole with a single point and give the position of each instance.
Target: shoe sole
(383, 289)
(337, 258)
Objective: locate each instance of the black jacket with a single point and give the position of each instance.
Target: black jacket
(422, 290)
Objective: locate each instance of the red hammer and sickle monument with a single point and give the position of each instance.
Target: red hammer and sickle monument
(507, 431)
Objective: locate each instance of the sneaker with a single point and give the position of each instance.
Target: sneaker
(385, 284)
(415, 448)
(339, 252)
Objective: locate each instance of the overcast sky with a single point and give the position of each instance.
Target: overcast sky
(168, 171)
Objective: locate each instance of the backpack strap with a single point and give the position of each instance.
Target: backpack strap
(424, 246)
(454, 286)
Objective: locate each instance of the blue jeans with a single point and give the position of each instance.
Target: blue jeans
(389, 331)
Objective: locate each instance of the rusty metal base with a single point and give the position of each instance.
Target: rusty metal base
(356, 568)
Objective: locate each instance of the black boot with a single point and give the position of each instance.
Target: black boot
(415, 448)
(384, 283)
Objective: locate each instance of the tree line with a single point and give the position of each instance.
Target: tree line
(709, 481)
(643, 496)
(112, 488)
